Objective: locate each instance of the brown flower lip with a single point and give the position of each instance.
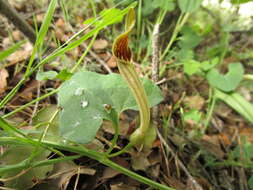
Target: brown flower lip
(121, 50)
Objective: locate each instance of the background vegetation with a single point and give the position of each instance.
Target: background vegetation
(66, 114)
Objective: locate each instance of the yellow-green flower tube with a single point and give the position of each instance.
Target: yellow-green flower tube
(126, 67)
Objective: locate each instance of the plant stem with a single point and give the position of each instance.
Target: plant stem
(91, 154)
(101, 157)
(23, 164)
(248, 77)
(115, 123)
(210, 109)
(124, 150)
(30, 103)
(180, 23)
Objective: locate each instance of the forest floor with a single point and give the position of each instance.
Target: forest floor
(205, 133)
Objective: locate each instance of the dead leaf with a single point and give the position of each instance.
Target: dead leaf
(16, 35)
(154, 171)
(27, 93)
(140, 161)
(175, 183)
(6, 42)
(192, 186)
(195, 102)
(20, 55)
(122, 187)
(154, 158)
(64, 171)
(108, 127)
(247, 132)
(100, 44)
(95, 145)
(112, 62)
(3, 80)
(60, 23)
(104, 56)
(40, 17)
(225, 139)
(212, 145)
(110, 173)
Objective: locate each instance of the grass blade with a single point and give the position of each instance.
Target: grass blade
(11, 50)
(238, 103)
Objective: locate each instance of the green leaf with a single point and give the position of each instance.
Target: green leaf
(10, 50)
(48, 75)
(99, 25)
(188, 6)
(250, 182)
(207, 65)
(193, 115)
(190, 39)
(17, 155)
(89, 20)
(47, 117)
(240, 1)
(46, 23)
(184, 55)
(230, 80)
(191, 67)
(166, 5)
(244, 150)
(238, 103)
(83, 99)
(64, 75)
(108, 14)
(130, 20)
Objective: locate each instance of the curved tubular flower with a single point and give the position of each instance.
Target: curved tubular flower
(126, 67)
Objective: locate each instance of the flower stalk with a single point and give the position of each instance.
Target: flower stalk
(126, 68)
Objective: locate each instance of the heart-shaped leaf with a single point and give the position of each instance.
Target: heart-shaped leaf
(230, 80)
(84, 100)
(16, 155)
(191, 67)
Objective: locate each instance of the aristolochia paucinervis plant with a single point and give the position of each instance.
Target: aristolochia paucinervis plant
(126, 67)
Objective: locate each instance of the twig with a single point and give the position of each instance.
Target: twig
(14, 17)
(193, 181)
(155, 65)
(36, 106)
(107, 68)
(77, 178)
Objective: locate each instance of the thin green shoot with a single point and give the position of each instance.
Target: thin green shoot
(180, 23)
(10, 50)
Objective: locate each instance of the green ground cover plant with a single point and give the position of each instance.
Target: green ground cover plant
(180, 118)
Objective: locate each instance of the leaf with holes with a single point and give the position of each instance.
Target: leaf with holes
(85, 99)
